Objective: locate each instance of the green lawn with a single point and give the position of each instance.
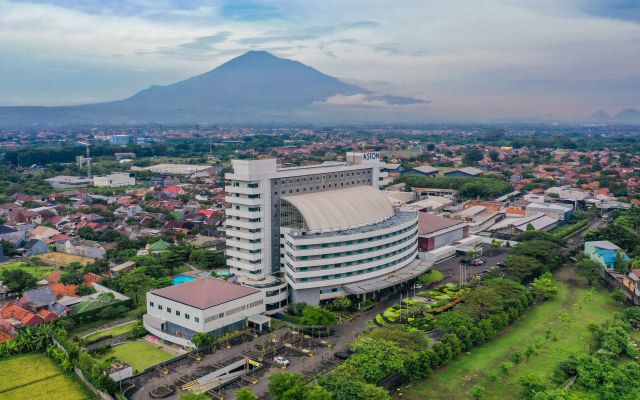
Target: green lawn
(137, 354)
(32, 376)
(118, 330)
(458, 376)
(37, 271)
(431, 276)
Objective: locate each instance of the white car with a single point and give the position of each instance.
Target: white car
(281, 361)
(418, 286)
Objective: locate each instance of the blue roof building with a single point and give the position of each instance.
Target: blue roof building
(604, 252)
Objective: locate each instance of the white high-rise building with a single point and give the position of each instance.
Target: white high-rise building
(319, 232)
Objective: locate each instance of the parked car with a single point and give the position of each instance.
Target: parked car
(501, 265)
(341, 355)
(418, 286)
(475, 263)
(350, 350)
(486, 271)
(281, 361)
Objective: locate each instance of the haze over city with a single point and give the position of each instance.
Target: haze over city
(500, 59)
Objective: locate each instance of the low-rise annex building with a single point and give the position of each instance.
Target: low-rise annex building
(176, 313)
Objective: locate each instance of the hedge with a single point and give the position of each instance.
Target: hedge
(568, 230)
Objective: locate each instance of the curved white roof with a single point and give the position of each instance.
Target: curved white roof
(341, 209)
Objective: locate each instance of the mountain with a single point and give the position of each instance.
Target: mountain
(600, 116)
(256, 86)
(628, 115)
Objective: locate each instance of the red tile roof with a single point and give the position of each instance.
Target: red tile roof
(60, 290)
(5, 337)
(90, 278)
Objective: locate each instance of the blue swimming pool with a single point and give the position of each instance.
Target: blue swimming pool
(220, 273)
(182, 279)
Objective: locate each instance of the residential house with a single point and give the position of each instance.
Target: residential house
(33, 247)
(44, 295)
(632, 280)
(43, 233)
(7, 233)
(91, 278)
(125, 267)
(605, 252)
(83, 248)
(158, 247)
(164, 180)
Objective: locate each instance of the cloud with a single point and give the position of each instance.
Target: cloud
(198, 49)
(363, 100)
(311, 33)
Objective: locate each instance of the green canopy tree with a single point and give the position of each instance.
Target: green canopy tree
(18, 280)
(316, 315)
(135, 282)
(373, 357)
(589, 269)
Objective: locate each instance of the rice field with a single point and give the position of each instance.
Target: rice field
(36, 376)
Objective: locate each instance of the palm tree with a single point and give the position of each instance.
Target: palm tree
(12, 347)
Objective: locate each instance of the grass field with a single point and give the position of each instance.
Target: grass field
(118, 330)
(138, 354)
(458, 376)
(37, 271)
(36, 376)
(63, 258)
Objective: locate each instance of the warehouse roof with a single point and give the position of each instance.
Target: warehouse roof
(429, 223)
(341, 209)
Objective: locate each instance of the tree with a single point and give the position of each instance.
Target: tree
(531, 384)
(516, 357)
(529, 351)
(317, 393)
(245, 394)
(135, 282)
(281, 382)
(477, 392)
(481, 302)
(341, 303)
(453, 320)
(86, 232)
(18, 280)
(8, 248)
(505, 367)
(72, 278)
(373, 357)
(530, 227)
(589, 269)
(520, 266)
(85, 290)
(316, 315)
(201, 339)
(543, 287)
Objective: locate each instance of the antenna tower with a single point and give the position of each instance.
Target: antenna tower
(88, 162)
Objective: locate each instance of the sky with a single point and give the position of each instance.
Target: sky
(470, 58)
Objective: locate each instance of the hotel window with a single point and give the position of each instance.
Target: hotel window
(159, 307)
(304, 279)
(255, 303)
(325, 277)
(186, 316)
(349, 273)
(151, 303)
(197, 319)
(360, 272)
(324, 267)
(213, 317)
(168, 310)
(236, 184)
(337, 275)
(177, 313)
(304, 268)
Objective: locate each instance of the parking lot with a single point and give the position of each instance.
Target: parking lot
(451, 267)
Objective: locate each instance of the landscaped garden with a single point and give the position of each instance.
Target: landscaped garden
(421, 313)
(137, 354)
(36, 376)
(116, 331)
